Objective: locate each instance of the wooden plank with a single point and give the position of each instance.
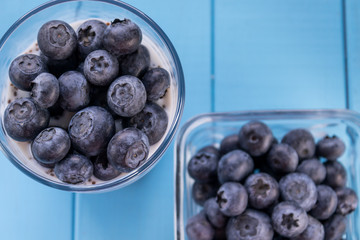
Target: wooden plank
(278, 54)
(144, 210)
(29, 210)
(352, 10)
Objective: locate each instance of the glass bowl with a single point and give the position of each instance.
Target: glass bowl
(23, 33)
(210, 129)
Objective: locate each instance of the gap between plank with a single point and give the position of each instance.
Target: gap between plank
(346, 70)
(74, 216)
(212, 55)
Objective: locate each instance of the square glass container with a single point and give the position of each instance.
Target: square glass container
(210, 129)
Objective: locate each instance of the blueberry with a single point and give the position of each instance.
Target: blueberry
(326, 203)
(262, 189)
(213, 213)
(229, 143)
(282, 158)
(45, 90)
(203, 191)
(300, 188)
(101, 68)
(152, 120)
(289, 219)
(58, 67)
(199, 228)
(90, 36)
(156, 82)
(45, 165)
(24, 119)
(255, 138)
(74, 91)
(347, 200)
(203, 166)
(330, 148)
(250, 225)
(24, 69)
(91, 129)
(235, 166)
(336, 175)
(51, 145)
(232, 199)
(128, 149)
(74, 168)
(302, 141)
(136, 63)
(103, 170)
(335, 227)
(122, 37)
(126, 96)
(57, 40)
(211, 149)
(314, 231)
(314, 169)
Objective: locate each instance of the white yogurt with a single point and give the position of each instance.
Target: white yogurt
(22, 149)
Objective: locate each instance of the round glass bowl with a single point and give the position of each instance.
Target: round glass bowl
(23, 34)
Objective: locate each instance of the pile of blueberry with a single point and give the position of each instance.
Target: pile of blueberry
(254, 188)
(102, 75)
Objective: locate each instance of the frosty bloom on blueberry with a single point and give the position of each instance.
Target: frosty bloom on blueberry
(156, 82)
(24, 119)
(136, 63)
(234, 166)
(74, 91)
(75, 168)
(152, 120)
(128, 149)
(302, 141)
(103, 170)
(91, 129)
(101, 68)
(326, 203)
(202, 167)
(126, 96)
(45, 90)
(24, 69)
(255, 138)
(289, 219)
(314, 230)
(51, 145)
(232, 199)
(57, 40)
(251, 224)
(90, 36)
(199, 228)
(122, 37)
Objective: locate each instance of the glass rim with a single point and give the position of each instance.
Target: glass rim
(150, 163)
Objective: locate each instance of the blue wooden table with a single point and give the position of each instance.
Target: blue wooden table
(236, 55)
